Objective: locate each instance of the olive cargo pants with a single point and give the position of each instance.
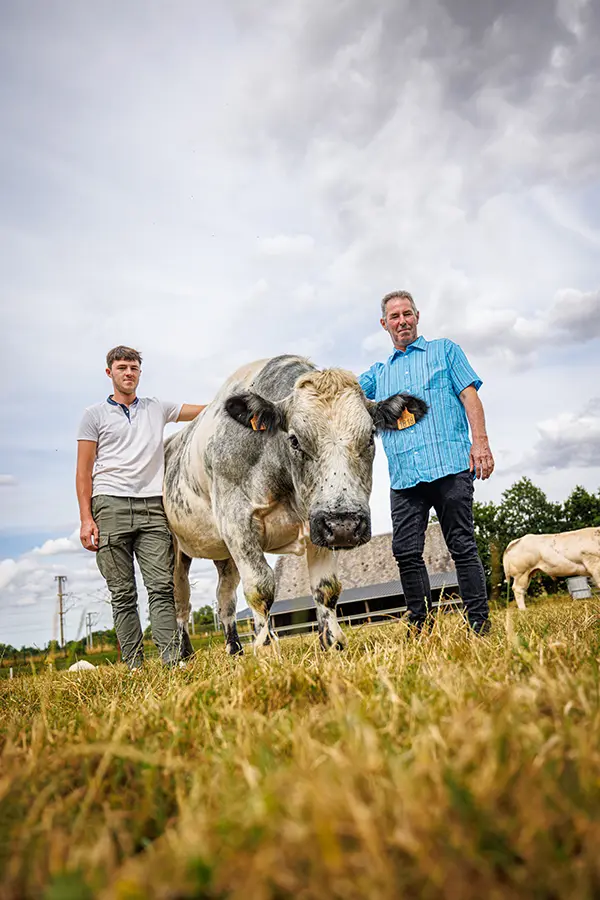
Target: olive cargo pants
(137, 527)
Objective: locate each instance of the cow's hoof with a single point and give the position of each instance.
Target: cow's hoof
(186, 648)
(329, 642)
(234, 648)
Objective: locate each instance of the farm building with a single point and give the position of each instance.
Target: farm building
(372, 592)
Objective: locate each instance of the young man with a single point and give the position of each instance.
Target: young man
(120, 464)
(432, 462)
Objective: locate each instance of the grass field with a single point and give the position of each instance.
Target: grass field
(98, 657)
(446, 767)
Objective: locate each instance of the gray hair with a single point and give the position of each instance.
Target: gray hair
(400, 295)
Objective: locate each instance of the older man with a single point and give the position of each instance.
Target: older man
(433, 462)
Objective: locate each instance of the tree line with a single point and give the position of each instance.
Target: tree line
(525, 509)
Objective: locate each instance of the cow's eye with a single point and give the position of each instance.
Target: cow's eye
(294, 442)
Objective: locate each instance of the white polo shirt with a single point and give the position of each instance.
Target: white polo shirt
(130, 457)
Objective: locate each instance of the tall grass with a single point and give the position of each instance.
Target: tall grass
(445, 767)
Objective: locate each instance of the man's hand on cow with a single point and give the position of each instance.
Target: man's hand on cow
(481, 460)
(88, 534)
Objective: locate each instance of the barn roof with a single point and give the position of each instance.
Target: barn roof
(438, 581)
(372, 563)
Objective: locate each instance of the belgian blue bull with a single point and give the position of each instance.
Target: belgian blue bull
(281, 462)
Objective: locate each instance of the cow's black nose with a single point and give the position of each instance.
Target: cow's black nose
(339, 530)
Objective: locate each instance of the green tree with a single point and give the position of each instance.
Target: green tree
(525, 509)
(485, 520)
(581, 509)
(203, 617)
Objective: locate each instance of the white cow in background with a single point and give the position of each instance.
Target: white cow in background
(558, 555)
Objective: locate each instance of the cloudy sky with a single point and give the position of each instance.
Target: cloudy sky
(213, 183)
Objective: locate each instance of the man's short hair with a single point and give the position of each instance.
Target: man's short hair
(400, 295)
(120, 352)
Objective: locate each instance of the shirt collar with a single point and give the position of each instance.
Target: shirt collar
(419, 344)
(114, 402)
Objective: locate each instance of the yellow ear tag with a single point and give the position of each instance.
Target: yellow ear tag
(406, 420)
(256, 426)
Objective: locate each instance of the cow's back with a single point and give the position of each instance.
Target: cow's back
(549, 552)
(213, 448)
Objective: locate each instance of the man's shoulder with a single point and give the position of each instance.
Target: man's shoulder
(440, 345)
(96, 409)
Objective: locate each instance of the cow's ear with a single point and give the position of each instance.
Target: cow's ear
(253, 411)
(386, 413)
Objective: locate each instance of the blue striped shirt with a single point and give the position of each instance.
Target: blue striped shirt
(438, 445)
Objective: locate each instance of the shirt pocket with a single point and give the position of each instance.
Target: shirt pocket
(437, 379)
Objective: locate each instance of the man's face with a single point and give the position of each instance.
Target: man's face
(400, 322)
(125, 375)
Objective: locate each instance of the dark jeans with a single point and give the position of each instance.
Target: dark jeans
(452, 499)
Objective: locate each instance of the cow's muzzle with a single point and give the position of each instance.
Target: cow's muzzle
(340, 531)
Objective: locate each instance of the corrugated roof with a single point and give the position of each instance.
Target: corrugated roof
(438, 581)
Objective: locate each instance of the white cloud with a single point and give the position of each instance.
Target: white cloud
(572, 317)
(7, 480)
(10, 569)
(58, 546)
(286, 245)
(568, 440)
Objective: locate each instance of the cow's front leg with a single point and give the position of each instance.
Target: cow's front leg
(241, 535)
(520, 585)
(229, 579)
(258, 582)
(326, 590)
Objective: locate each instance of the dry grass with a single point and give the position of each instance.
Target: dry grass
(448, 767)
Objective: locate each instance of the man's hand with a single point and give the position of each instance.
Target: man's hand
(481, 460)
(88, 534)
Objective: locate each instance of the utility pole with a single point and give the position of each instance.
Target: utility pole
(88, 632)
(61, 613)
(90, 621)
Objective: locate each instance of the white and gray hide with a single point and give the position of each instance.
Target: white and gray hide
(281, 461)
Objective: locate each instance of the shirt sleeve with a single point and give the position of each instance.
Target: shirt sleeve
(171, 410)
(460, 370)
(368, 383)
(88, 427)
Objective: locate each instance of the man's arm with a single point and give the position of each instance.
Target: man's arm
(86, 455)
(368, 383)
(189, 411)
(481, 460)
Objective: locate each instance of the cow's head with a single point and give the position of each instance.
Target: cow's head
(329, 428)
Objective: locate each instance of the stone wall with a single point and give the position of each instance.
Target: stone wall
(372, 563)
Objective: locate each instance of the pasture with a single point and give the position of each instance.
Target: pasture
(444, 767)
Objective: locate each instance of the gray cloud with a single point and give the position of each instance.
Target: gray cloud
(571, 318)
(567, 441)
